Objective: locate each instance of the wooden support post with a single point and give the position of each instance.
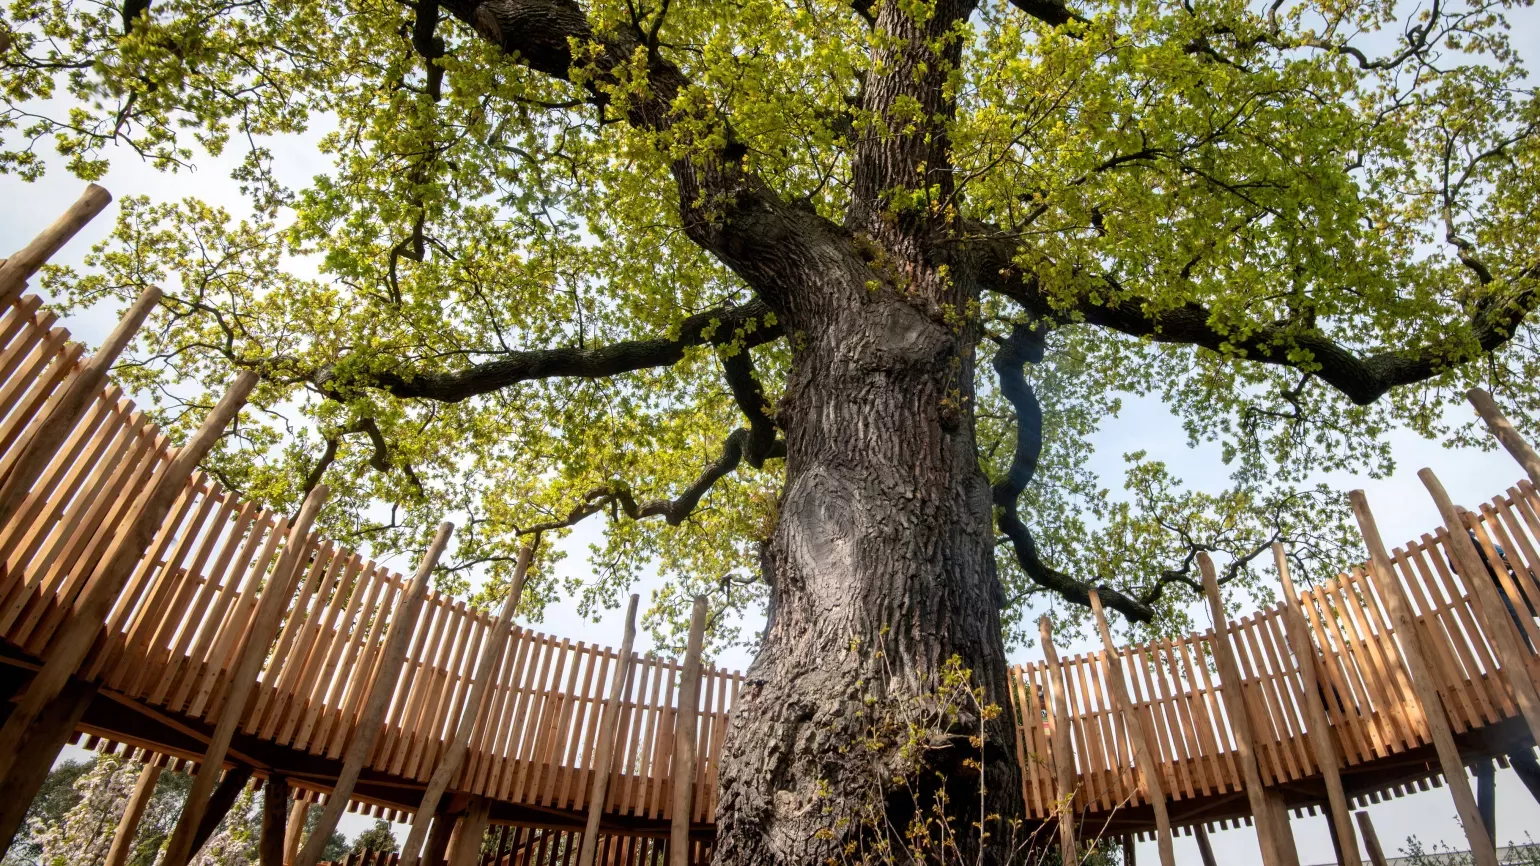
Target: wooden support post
(683, 771)
(275, 812)
(219, 804)
(1285, 851)
(295, 834)
(243, 676)
(1419, 670)
(128, 825)
(1205, 850)
(68, 405)
(1491, 612)
(1371, 840)
(1154, 785)
(491, 655)
(20, 267)
(38, 750)
(465, 844)
(1128, 850)
(1486, 796)
(1239, 716)
(438, 838)
(1297, 632)
(75, 638)
(604, 748)
(378, 702)
(1503, 429)
(1522, 759)
(1059, 742)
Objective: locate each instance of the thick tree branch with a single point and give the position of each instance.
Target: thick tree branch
(674, 511)
(1049, 12)
(1361, 378)
(714, 327)
(1025, 346)
(739, 369)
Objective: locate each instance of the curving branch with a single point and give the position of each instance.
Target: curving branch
(739, 370)
(715, 327)
(1361, 378)
(1050, 12)
(618, 497)
(1025, 346)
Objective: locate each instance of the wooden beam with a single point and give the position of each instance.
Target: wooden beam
(20, 267)
(1486, 796)
(1503, 429)
(67, 405)
(1420, 672)
(370, 721)
(1239, 715)
(275, 813)
(683, 771)
(243, 676)
(454, 758)
(219, 804)
(438, 838)
(128, 824)
(604, 749)
(295, 833)
(1297, 631)
(1059, 744)
(74, 639)
(465, 843)
(1154, 785)
(38, 750)
(1205, 850)
(1522, 759)
(1513, 657)
(1286, 851)
(1371, 840)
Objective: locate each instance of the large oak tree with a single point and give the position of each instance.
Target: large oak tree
(775, 288)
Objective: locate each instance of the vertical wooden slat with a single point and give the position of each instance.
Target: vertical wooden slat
(604, 749)
(684, 738)
(1063, 756)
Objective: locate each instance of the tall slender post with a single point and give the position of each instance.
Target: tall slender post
(128, 825)
(1154, 785)
(604, 749)
(68, 405)
(491, 655)
(1063, 754)
(38, 749)
(683, 771)
(1205, 850)
(1491, 612)
(20, 267)
(1486, 795)
(1371, 840)
(275, 812)
(243, 676)
(1297, 631)
(369, 721)
(1503, 429)
(295, 833)
(85, 621)
(465, 844)
(1421, 675)
(1239, 716)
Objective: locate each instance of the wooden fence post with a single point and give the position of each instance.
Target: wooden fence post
(377, 703)
(275, 812)
(68, 405)
(243, 675)
(1297, 632)
(128, 825)
(1239, 716)
(75, 638)
(1063, 752)
(20, 267)
(294, 834)
(1503, 429)
(1421, 674)
(682, 773)
(491, 655)
(604, 749)
(1491, 612)
(1154, 785)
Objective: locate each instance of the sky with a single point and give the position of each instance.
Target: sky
(1400, 502)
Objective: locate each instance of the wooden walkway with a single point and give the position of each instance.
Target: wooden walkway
(164, 659)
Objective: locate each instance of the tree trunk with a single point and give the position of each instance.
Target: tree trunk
(881, 569)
